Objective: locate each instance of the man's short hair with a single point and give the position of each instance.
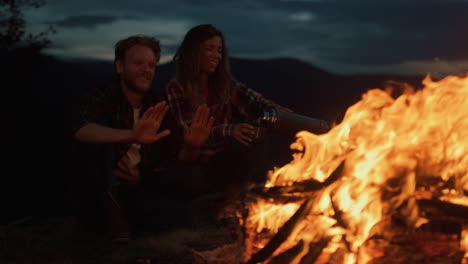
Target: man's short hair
(125, 44)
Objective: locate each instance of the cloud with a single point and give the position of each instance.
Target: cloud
(165, 59)
(303, 16)
(98, 42)
(84, 21)
(434, 67)
(89, 51)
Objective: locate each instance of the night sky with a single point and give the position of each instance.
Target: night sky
(341, 36)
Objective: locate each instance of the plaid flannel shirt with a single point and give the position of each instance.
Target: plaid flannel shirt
(107, 105)
(244, 102)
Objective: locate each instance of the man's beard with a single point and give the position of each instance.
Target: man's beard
(132, 87)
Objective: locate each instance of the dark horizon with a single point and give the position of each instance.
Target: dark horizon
(73, 60)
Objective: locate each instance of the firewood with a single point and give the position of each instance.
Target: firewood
(281, 199)
(286, 193)
(337, 257)
(446, 209)
(282, 235)
(315, 249)
(288, 255)
(277, 194)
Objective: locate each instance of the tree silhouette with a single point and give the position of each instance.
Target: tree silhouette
(13, 34)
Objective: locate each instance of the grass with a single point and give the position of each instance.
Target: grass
(65, 241)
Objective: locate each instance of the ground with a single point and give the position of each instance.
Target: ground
(64, 240)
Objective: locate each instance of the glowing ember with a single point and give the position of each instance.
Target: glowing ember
(389, 146)
(464, 240)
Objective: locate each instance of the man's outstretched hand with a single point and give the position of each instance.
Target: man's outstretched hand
(196, 135)
(146, 129)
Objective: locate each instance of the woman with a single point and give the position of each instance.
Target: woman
(203, 77)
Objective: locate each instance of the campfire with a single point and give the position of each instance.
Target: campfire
(388, 184)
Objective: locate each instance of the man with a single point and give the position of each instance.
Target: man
(123, 122)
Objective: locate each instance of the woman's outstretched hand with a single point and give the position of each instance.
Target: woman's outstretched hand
(243, 132)
(197, 134)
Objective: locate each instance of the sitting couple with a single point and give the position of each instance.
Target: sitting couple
(141, 147)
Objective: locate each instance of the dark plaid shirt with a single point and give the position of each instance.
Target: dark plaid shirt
(107, 105)
(245, 103)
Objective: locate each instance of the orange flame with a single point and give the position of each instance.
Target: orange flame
(388, 145)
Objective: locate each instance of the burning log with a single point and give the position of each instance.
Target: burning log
(289, 255)
(282, 234)
(446, 209)
(301, 213)
(303, 187)
(314, 251)
(337, 257)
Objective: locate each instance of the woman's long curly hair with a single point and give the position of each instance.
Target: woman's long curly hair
(187, 60)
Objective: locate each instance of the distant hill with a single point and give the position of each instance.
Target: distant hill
(39, 92)
(290, 82)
